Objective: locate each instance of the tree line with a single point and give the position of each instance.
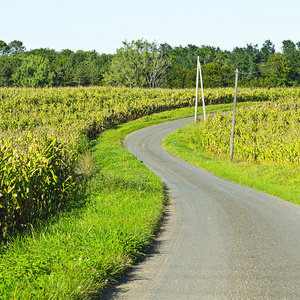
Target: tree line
(144, 64)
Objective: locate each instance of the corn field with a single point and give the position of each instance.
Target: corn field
(40, 130)
(267, 133)
(34, 183)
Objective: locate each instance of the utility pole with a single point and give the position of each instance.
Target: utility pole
(233, 116)
(197, 91)
(202, 92)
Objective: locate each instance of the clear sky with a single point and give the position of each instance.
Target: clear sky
(102, 25)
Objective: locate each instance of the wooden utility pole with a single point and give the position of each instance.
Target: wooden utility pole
(233, 116)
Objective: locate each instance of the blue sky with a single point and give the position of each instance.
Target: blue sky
(102, 25)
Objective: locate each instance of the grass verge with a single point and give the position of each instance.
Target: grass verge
(89, 247)
(282, 181)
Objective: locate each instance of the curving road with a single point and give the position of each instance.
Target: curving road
(219, 240)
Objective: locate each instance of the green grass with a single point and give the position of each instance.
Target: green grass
(282, 181)
(79, 252)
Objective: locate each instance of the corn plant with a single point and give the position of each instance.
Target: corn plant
(265, 133)
(35, 182)
(37, 169)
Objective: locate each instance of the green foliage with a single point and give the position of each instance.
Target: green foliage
(137, 64)
(266, 133)
(47, 68)
(34, 71)
(144, 64)
(34, 182)
(11, 48)
(222, 75)
(266, 51)
(3, 47)
(275, 72)
(181, 77)
(283, 69)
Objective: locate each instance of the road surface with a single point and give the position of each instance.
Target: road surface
(219, 240)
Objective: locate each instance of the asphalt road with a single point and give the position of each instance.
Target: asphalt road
(220, 240)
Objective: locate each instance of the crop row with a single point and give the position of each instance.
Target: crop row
(68, 112)
(34, 184)
(40, 130)
(264, 133)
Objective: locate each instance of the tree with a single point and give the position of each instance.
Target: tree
(16, 47)
(177, 77)
(207, 54)
(127, 65)
(8, 65)
(292, 55)
(144, 64)
(288, 47)
(187, 56)
(103, 63)
(35, 71)
(215, 75)
(247, 60)
(165, 49)
(78, 68)
(267, 49)
(155, 66)
(64, 68)
(4, 48)
(221, 57)
(137, 64)
(276, 71)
